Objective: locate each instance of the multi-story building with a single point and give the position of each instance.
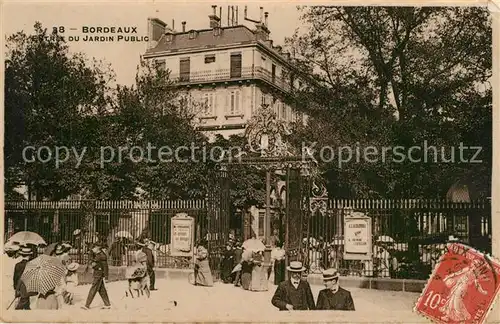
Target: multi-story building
(231, 70)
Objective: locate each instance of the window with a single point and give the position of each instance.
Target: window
(217, 31)
(209, 59)
(234, 103)
(277, 108)
(235, 65)
(292, 80)
(168, 37)
(184, 69)
(283, 112)
(192, 34)
(273, 73)
(263, 99)
(209, 99)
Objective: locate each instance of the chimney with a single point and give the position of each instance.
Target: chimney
(266, 14)
(232, 15)
(236, 15)
(183, 26)
(261, 11)
(156, 29)
(220, 15)
(214, 20)
(228, 13)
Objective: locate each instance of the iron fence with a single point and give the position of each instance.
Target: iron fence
(408, 235)
(105, 222)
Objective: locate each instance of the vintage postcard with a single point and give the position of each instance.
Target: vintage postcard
(250, 162)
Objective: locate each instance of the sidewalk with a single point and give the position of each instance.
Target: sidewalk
(227, 303)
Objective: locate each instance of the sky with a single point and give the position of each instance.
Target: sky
(124, 57)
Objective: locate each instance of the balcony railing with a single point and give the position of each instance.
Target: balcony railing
(221, 75)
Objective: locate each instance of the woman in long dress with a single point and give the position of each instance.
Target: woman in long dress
(203, 272)
(246, 269)
(278, 255)
(259, 275)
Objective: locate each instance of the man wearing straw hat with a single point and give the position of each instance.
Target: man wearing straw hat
(294, 294)
(334, 297)
(26, 253)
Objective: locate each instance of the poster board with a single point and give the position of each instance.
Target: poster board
(357, 237)
(182, 235)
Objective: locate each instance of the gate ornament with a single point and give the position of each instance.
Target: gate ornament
(265, 134)
(319, 195)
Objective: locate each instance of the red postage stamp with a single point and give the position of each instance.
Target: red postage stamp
(462, 287)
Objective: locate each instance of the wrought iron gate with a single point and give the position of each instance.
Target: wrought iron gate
(218, 217)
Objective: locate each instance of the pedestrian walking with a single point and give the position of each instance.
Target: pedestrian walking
(294, 294)
(26, 254)
(333, 297)
(151, 261)
(69, 283)
(227, 264)
(100, 276)
(278, 255)
(203, 274)
(238, 252)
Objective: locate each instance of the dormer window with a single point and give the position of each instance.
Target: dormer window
(217, 31)
(169, 37)
(192, 34)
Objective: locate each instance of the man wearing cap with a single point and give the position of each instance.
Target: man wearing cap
(294, 294)
(26, 253)
(334, 297)
(100, 266)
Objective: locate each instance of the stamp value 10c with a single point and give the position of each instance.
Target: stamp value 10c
(462, 288)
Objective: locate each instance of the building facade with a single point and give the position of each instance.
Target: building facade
(226, 72)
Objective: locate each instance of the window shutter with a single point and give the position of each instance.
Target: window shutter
(235, 66)
(237, 110)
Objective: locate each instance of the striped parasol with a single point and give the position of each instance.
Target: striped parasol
(43, 274)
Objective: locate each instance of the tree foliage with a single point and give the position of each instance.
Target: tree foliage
(138, 142)
(398, 76)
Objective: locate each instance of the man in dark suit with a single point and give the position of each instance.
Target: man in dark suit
(334, 297)
(26, 253)
(150, 263)
(100, 266)
(294, 294)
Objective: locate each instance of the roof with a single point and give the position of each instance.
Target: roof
(205, 38)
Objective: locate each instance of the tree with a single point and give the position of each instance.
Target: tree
(48, 92)
(398, 76)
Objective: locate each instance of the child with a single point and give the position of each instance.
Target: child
(138, 279)
(71, 279)
(68, 285)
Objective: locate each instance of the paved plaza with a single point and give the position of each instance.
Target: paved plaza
(228, 303)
